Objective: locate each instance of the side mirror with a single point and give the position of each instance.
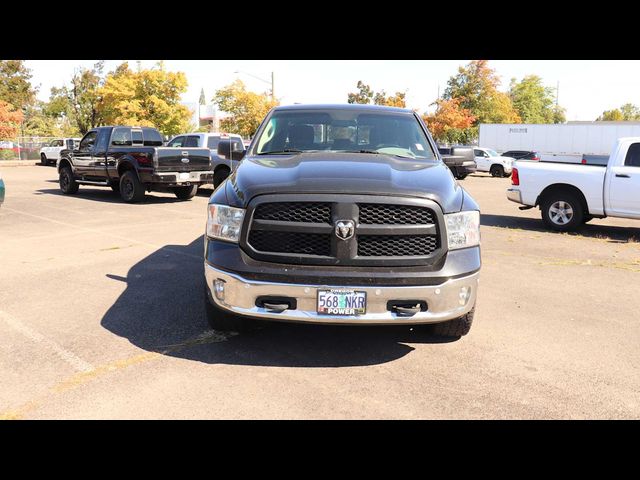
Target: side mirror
(229, 149)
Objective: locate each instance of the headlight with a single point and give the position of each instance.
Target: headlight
(224, 222)
(463, 229)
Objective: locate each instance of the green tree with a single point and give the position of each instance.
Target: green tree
(630, 112)
(533, 101)
(148, 97)
(363, 95)
(15, 84)
(247, 109)
(614, 115)
(627, 112)
(397, 100)
(77, 105)
(476, 88)
(39, 123)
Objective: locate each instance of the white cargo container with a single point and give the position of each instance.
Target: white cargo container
(567, 142)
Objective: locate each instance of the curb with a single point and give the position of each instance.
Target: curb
(19, 163)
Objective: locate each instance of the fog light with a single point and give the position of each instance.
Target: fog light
(218, 288)
(465, 293)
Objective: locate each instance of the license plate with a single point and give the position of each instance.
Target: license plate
(184, 176)
(341, 302)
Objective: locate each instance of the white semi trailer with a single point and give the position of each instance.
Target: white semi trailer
(568, 142)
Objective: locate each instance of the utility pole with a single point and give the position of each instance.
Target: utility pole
(273, 93)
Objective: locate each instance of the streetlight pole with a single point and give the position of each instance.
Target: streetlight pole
(272, 82)
(273, 91)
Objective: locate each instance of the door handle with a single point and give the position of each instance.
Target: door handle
(622, 175)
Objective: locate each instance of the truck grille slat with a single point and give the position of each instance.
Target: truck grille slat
(295, 212)
(373, 213)
(291, 242)
(396, 246)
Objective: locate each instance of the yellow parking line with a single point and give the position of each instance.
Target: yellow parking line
(85, 377)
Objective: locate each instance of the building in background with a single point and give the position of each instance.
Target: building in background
(206, 115)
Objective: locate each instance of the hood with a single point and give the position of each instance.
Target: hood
(343, 173)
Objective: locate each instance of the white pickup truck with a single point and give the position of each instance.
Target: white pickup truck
(569, 195)
(221, 167)
(51, 153)
(488, 160)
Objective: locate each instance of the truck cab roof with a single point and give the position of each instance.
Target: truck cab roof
(345, 106)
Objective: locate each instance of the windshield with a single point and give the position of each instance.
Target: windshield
(492, 153)
(336, 130)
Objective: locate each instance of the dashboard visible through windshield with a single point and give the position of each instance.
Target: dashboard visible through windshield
(289, 132)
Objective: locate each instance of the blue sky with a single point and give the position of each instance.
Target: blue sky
(586, 87)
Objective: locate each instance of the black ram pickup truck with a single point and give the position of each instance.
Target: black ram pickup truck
(342, 214)
(132, 160)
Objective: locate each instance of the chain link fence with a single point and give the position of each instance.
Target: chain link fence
(24, 148)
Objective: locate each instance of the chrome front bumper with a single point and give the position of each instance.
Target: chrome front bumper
(444, 301)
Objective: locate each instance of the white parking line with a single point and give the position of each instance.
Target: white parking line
(69, 357)
(102, 232)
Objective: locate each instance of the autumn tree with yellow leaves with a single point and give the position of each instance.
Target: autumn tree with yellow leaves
(146, 97)
(246, 109)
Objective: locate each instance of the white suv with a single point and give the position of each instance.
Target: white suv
(51, 152)
(488, 160)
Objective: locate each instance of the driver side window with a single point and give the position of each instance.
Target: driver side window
(176, 142)
(88, 141)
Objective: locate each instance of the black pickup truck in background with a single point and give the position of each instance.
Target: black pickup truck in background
(460, 160)
(132, 160)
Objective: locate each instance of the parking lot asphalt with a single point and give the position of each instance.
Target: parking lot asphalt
(101, 316)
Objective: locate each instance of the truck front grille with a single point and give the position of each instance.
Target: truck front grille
(387, 231)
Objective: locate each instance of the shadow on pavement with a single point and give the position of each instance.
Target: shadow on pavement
(608, 232)
(162, 309)
(106, 195)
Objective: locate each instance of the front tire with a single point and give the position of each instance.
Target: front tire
(220, 319)
(68, 183)
(131, 189)
(455, 328)
(562, 211)
(497, 171)
(43, 160)
(185, 193)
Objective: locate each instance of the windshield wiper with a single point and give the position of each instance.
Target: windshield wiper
(281, 152)
(362, 151)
